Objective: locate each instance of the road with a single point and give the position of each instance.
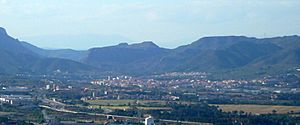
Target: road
(120, 116)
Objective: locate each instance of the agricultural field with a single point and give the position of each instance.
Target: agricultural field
(5, 113)
(260, 109)
(127, 102)
(127, 107)
(145, 103)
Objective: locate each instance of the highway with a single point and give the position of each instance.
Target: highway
(120, 116)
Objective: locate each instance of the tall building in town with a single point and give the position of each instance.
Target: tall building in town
(47, 87)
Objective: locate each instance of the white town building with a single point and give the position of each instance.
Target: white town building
(149, 121)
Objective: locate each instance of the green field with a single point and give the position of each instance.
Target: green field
(126, 102)
(127, 107)
(5, 113)
(151, 103)
(259, 109)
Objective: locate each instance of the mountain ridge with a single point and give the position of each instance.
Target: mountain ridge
(207, 54)
(15, 58)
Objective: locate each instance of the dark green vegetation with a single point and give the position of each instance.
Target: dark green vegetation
(204, 113)
(5, 121)
(22, 113)
(210, 114)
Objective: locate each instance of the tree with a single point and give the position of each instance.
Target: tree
(274, 111)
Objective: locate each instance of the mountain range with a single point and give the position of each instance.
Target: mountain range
(16, 58)
(208, 54)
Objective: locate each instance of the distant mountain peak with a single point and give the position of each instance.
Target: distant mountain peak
(142, 45)
(123, 44)
(145, 44)
(149, 43)
(218, 42)
(284, 37)
(3, 31)
(222, 38)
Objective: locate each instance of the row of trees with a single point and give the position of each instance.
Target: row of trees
(203, 112)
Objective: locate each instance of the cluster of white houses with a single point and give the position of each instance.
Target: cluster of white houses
(15, 99)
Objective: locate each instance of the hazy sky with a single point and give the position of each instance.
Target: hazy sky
(81, 24)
